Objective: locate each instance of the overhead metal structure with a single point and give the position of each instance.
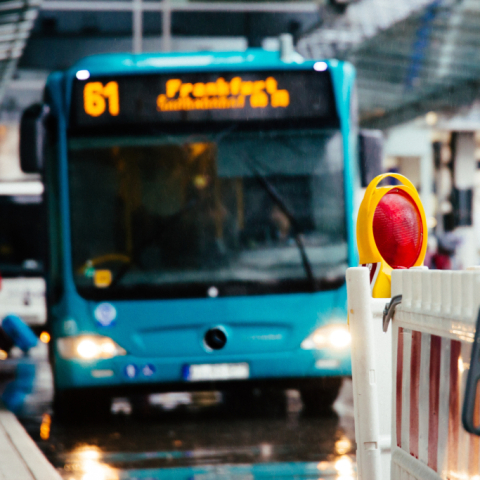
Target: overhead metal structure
(412, 56)
(167, 7)
(16, 21)
(341, 31)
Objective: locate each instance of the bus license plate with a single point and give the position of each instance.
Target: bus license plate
(216, 371)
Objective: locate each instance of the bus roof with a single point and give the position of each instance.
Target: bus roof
(250, 59)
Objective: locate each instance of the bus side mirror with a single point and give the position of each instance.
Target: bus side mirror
(32, 138)
(370, 149)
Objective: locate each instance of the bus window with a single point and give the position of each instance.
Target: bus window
(22, 236)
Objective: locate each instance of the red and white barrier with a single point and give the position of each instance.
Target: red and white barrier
(433, 329)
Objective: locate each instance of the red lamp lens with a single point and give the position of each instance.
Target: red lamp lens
(398, 229)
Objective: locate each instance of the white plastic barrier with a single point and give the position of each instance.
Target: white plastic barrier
(371, 369)
(433, 330)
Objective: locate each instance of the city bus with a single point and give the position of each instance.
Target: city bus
(200, 223)
(22, 252)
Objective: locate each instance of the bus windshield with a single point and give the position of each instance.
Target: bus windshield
(178, 216)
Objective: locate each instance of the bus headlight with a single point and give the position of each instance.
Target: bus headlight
(88, 347)
(330, 336)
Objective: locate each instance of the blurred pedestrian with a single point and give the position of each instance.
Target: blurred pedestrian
(443, 259)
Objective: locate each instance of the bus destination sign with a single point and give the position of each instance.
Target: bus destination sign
(222, 95)
(203, 97)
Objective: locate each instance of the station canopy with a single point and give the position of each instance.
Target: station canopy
(412, 56)
(16, 22)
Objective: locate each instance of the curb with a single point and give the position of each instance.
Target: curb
(20, 458)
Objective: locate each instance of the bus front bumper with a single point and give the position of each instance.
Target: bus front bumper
(126, 373)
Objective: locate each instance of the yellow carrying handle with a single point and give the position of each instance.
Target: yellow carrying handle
(373, 184)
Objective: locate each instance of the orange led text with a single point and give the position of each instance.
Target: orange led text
(222, 95)
(95, 96)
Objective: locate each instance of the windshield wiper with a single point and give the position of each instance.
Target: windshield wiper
(297, 230)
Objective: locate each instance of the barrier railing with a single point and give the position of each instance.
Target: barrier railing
(432, 331)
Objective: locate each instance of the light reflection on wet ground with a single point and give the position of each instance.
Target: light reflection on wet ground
(195, 437)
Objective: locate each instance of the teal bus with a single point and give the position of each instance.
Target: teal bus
(201, 219)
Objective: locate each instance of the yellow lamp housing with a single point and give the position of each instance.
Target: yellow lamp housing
(390, 229)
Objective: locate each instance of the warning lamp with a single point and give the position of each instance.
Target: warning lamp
(391, 231)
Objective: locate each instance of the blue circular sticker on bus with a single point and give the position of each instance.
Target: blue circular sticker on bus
(148, 370)
(105, 314)
(130, 371)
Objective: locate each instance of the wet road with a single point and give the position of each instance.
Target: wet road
(188, 436)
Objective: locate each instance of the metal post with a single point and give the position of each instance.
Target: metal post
(426, 181)
(464, 168)
(137, 29)
(166, 26)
